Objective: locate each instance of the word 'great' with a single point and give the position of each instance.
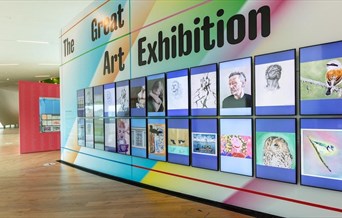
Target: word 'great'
(206, 35)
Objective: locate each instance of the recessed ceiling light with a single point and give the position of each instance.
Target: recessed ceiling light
(39, 76)
(9, 64)
(47, 64)
(29, 41)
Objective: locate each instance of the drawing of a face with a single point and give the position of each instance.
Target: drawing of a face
(176, 89)
(272, 75)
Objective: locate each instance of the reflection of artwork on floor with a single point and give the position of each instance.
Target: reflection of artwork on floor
(204, 143)
(277, 153)
(321, 154)
(236, 146)
(156, 141)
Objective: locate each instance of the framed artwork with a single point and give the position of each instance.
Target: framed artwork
(98, 101)
(156, 139)
(80, 132)
(138, 97)
(236, 145)
(203, 90)
(89, 133)
(178, 141)
(123, 142)
(276, 149)
(156, 96)
(109, 99)
(275, 87)
(320, 79)
(321, 159)
(138, 137)
(109, 134)
(235, 87)
(177, 83)
(122, 99)
(80, 103)
(204, 150)
(89, 103)
(98, 133)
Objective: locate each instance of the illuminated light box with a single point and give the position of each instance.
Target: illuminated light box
(89, 104)
(98, 101)
(203, 90)
(138, 97)
(138, 137)
(177, 83)
(110, 134)
(156, 95)
(235, 87)
(122, 99)
(321, 156)
(275, 90)
(320, 79)
(123, 143)
(236, 145)
(178, 141)
(109, 99)
(276, 149)
(156, 139)
(80, 103)
(89, 135)
(204, 150)
(98, 134)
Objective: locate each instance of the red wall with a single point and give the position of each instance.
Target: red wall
(31, 139)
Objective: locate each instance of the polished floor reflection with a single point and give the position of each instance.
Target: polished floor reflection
(35, 185)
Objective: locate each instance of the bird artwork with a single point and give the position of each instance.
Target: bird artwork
(333, 75)
(322, 149)
(276, 153)
(155, 131)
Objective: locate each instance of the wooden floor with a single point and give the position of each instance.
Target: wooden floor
(35, 185)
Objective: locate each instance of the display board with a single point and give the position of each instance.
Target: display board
(122, 99)
(151, 40)
(49, 113)
(178, 141)
(109, 100)
(138, 97)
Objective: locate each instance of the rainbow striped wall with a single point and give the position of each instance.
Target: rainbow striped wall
(294, 24)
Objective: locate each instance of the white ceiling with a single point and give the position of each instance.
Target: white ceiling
(33, 21)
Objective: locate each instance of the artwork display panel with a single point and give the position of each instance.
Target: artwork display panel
(204, 150)
(276, 149)
(123, 141)
(89, 103)
(110, 134)
(236, 145)
(80, 103)
(203, 90)
(236, 87)
(156, 96)
(321, 159)
(156, 139)
(178, 142)
(138, 137)
(320, 79)
(122, 99)
(109, 99)
(98, 133)
(98, 101)
(177, 84)
(89, 135)
(81, 132)
(275, 75)
(138, 97)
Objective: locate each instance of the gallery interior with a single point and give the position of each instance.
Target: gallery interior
(204, 108)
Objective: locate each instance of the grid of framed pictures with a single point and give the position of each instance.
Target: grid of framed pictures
(173, 116)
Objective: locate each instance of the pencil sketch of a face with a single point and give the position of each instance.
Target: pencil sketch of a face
(176, 89)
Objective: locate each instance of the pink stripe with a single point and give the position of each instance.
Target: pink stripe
(244, 190)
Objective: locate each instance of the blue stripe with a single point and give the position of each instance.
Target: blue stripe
(205, 161)
(179, 159)
(122, 83)
(275, 57)
(156, 114)
(178, 123)
(176, 74)
(178, 112)
(204, 125)
(321, 123)
(141, 112)
(158, 76)
(275, 110)
(322, 182)
(321, 52)
(323, 106)
(276, 125)
(138, 82)
(275, 173)
(139, 152)
(203, 69)
(203, 112)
